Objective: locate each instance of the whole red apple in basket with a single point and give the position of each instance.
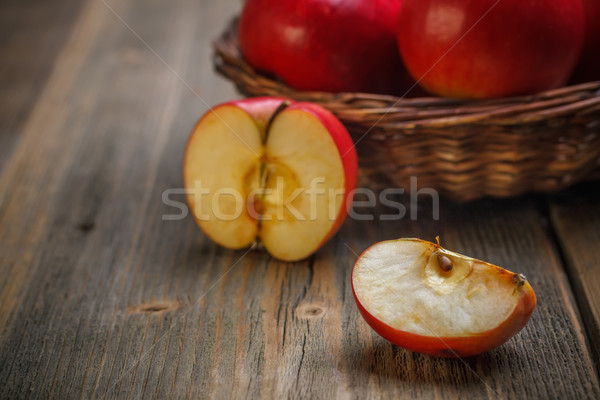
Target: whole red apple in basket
(490, 48)
(325, 45)
(588, 68)
(270, 169)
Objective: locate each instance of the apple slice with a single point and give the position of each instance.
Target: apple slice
(270, 169)
(430, 300)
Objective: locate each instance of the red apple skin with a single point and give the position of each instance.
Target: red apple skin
(588, 68)
(325, 45)
(347, 151)
(260, 109)
(486, 48)
(458, 346)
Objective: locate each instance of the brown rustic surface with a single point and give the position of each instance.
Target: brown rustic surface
(102, 298)
(576, 218)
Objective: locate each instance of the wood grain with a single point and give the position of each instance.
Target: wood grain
(100, 297)
(32, 35)
(47, 134)
(575, 216)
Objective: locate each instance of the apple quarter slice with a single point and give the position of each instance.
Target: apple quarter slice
(430, 300)
(273, 170)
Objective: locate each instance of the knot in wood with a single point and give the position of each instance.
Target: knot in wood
(155, 307)
(310, 311)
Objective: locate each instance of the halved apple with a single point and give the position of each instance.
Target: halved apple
(270, 169)
(430, 300)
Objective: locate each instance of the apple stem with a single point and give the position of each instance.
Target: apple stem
(284, 104)
(444, 262)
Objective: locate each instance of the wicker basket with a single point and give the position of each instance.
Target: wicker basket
(464, 149)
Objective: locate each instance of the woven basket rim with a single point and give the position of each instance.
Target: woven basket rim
(394, 113)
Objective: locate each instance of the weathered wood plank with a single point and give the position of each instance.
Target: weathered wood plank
(31, 36)
(102, 298)
(35, 166)
(575, 216)
(59, 194)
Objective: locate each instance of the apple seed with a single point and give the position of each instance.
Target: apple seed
(445, 262)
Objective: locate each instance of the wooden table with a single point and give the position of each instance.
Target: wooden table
(102, 298)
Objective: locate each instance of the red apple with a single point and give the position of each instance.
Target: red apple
(270, 169)
(325, 45)
(430, 300)
(588, 68)
(490, 48)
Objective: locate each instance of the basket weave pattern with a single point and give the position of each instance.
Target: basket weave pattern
(465, 149)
